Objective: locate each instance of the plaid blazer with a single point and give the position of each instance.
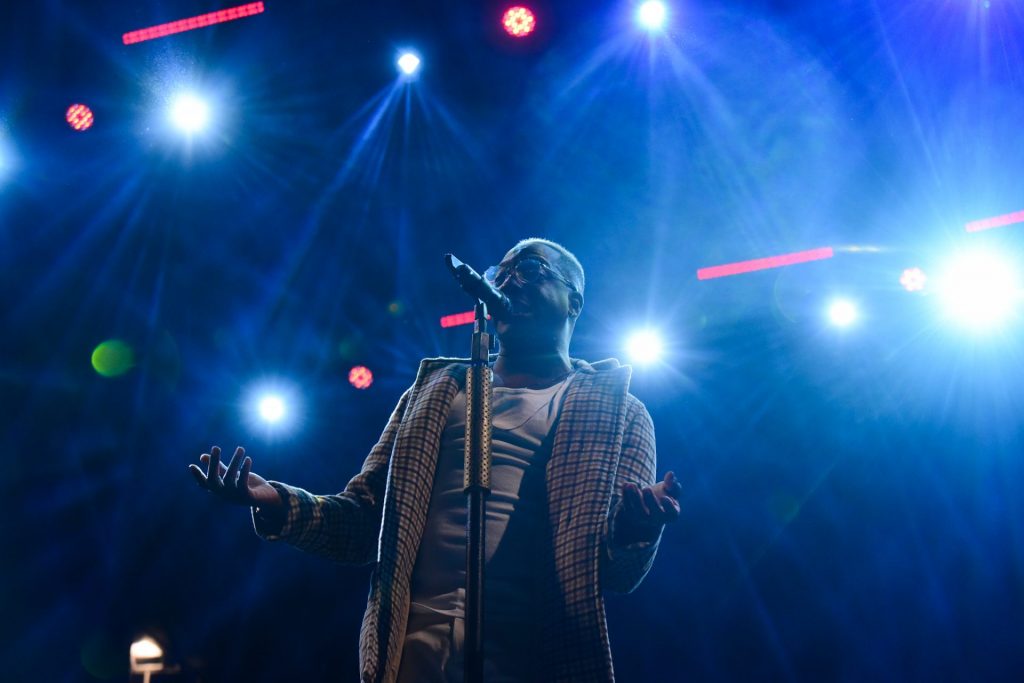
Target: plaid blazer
(604, 437)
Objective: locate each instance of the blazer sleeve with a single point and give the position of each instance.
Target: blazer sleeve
(344, 527)
(623, 567)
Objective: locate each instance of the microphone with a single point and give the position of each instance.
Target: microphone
(498, 305)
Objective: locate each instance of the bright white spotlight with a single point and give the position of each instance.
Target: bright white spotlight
(189, 113)
(408, 63)
(146, 657)
(842, 313)
(272, 408)
(645, 347)
(980, 290)
(652, 15)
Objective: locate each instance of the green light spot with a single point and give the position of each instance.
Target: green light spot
(113, 358)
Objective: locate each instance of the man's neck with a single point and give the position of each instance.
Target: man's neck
(535, 370)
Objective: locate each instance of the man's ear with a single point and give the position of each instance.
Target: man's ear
(575, 304)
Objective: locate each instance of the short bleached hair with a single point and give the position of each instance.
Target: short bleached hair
(568, 263)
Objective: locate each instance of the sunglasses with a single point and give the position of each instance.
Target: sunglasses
(526, 270)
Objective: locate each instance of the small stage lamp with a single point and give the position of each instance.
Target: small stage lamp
(146, 657)
(519, 21)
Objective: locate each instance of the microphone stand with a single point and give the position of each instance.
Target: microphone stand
(477, 462)
(476, 486)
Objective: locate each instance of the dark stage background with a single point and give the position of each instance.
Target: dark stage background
(852, 505)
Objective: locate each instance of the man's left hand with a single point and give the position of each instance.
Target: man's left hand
(652, 505)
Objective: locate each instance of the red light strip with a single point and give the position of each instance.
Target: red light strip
(456, 319)
(995, 221)
(182, 25)
(764, 263)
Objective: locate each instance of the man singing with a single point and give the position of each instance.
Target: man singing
(574, 509)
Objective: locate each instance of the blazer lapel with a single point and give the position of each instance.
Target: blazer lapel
(407, 501)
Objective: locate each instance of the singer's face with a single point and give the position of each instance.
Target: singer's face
(543, 308)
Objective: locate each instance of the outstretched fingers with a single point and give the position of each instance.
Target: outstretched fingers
(243, 476)
(213, 477)
(197, 473)
(231, 478)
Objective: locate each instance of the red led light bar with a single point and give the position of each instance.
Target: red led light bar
(456, 319)
(182, 25)
(764, 263)
(995, 221)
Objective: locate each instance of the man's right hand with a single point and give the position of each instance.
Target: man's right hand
(236, 483)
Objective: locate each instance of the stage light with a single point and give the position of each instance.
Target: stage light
(189, 113)
(645, 347)
(113, 358)
(360, 377)
(740, 267)
(980, 290)
(146, 657)
(191, 23)
(456, 319)
(408, 63)
(843, 313)
(995, 222)
(272, 408)
(518, 21)
(79, 117)
(913, 279)
(652, 15)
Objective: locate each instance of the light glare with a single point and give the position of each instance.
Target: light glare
(652, 15)
(980, 290)
(645, 347)
(146, 648)
(189, 113)
(409, 63)
(272, 408)
(842, 313)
